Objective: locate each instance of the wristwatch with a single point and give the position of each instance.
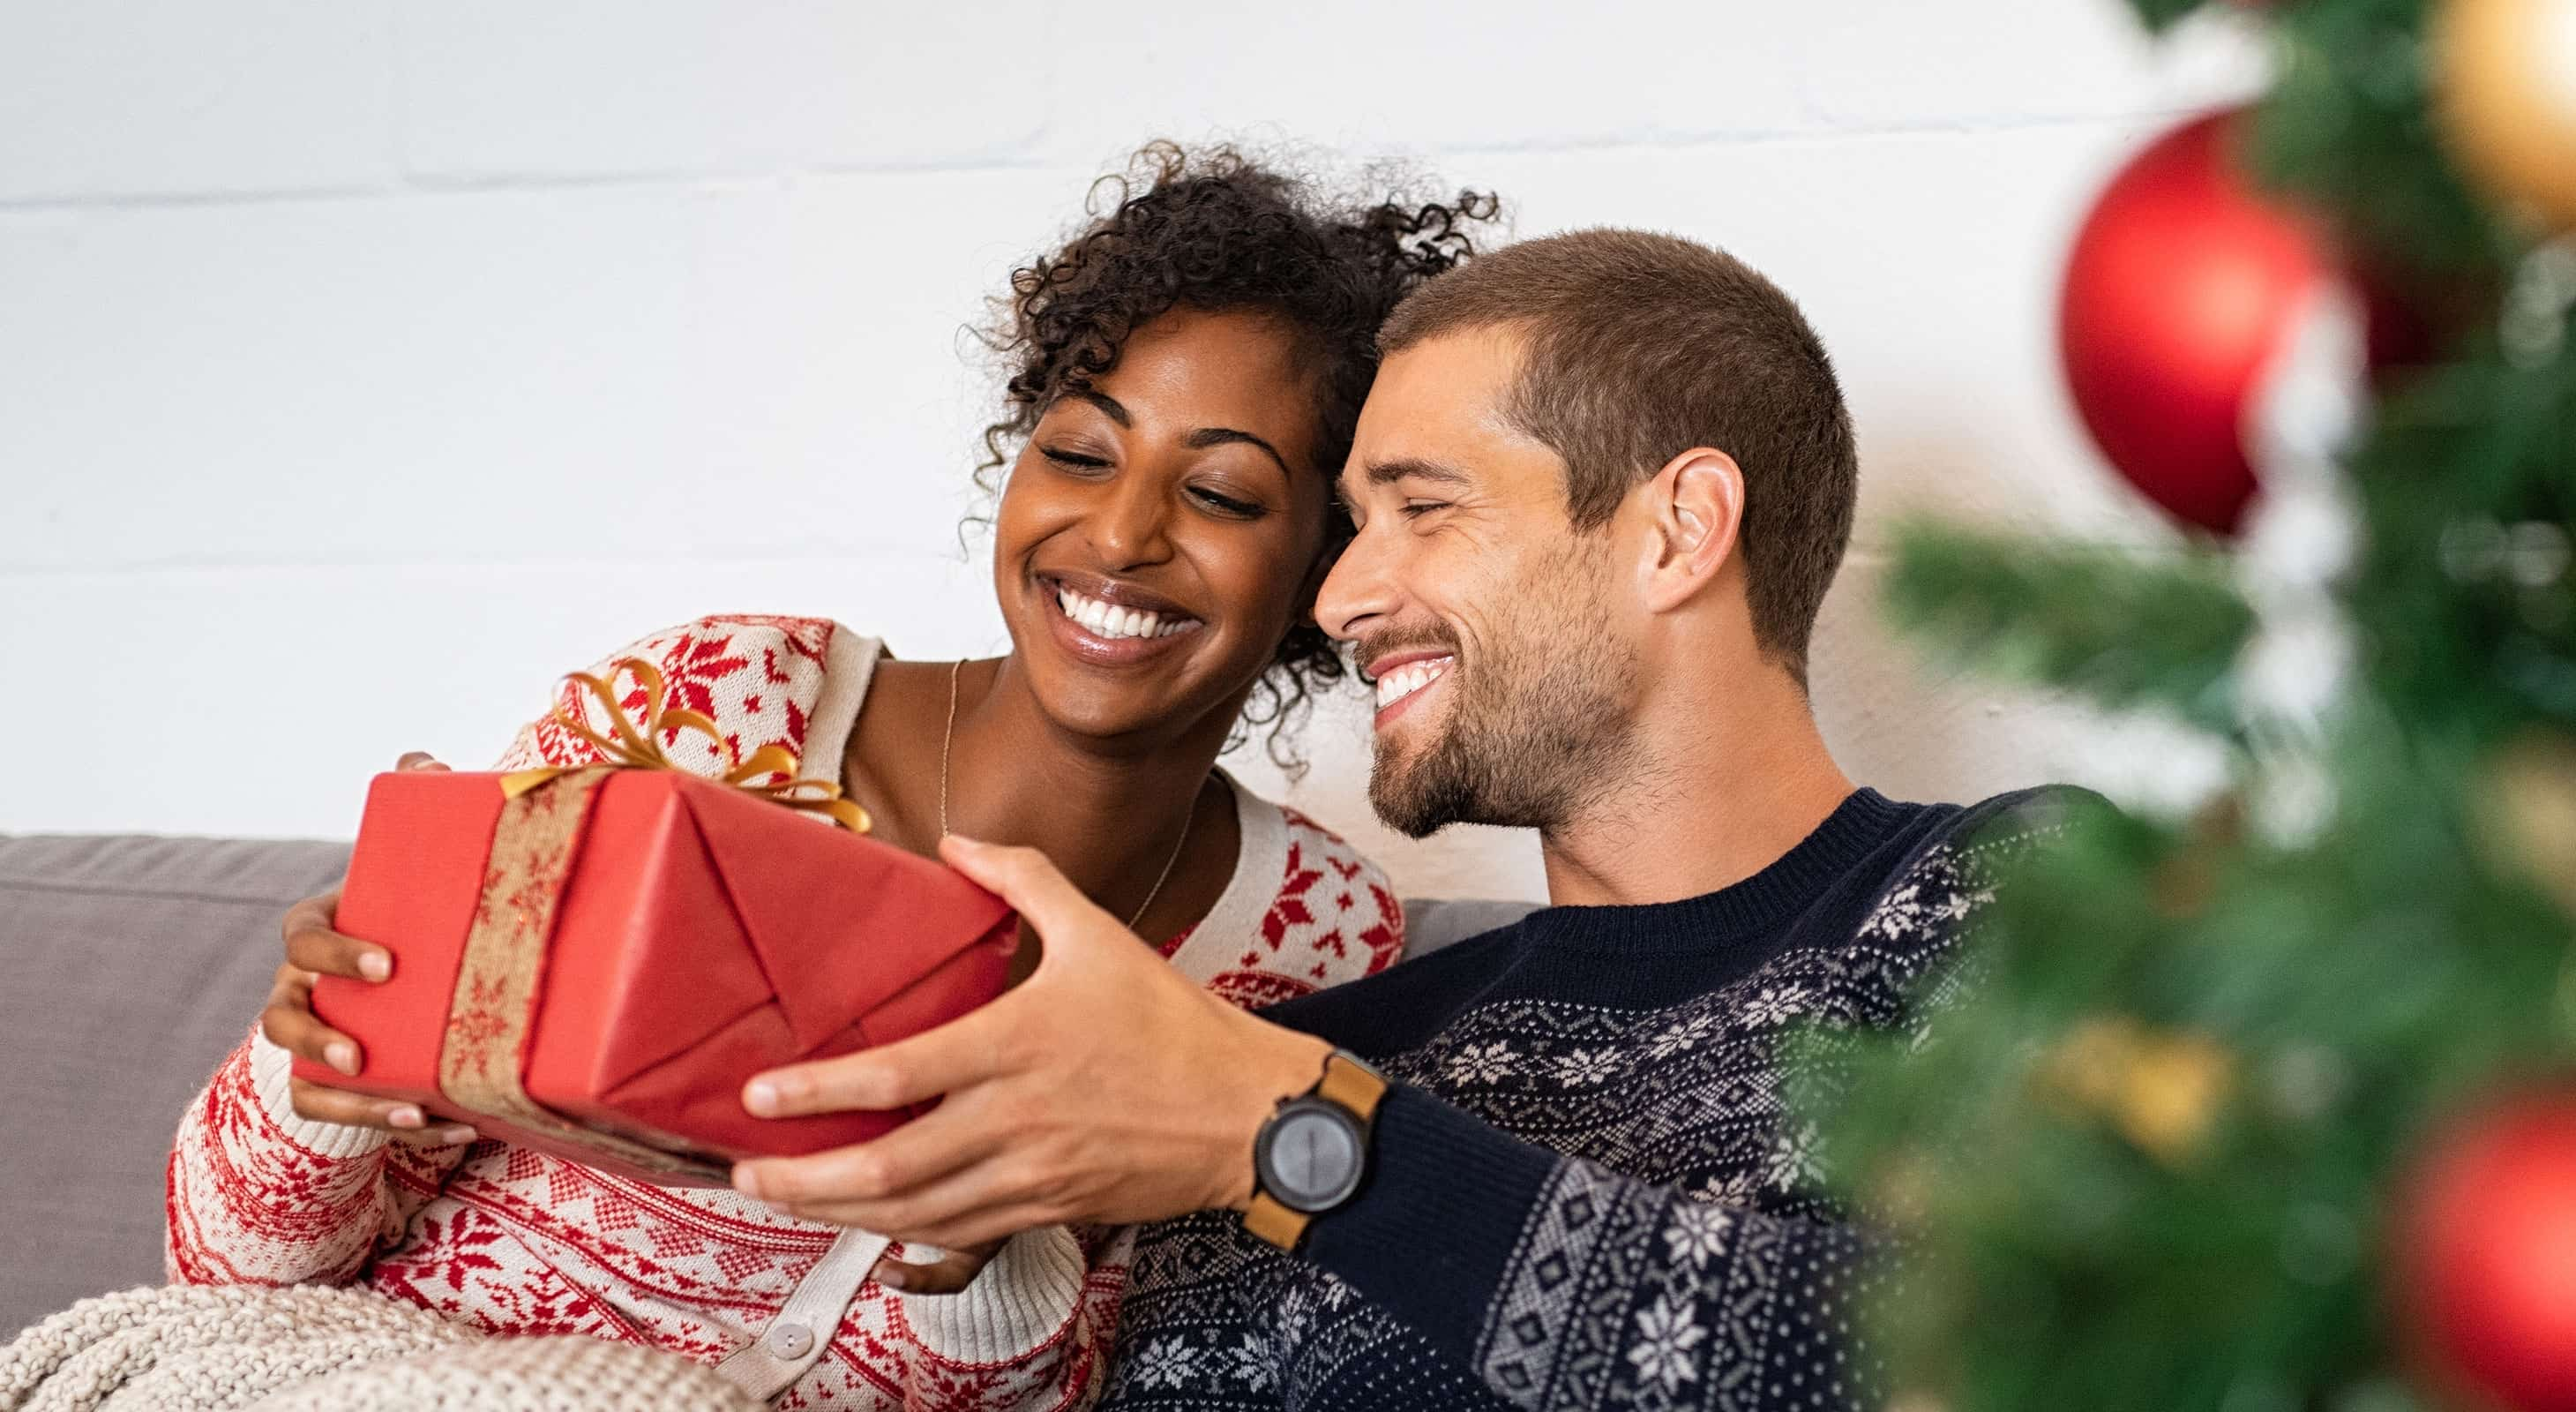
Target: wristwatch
(1311, 1154)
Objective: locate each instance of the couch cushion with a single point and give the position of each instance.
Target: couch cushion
(134, 965)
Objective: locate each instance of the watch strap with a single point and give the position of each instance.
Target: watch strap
(1267, 1219)
(1353, 1085)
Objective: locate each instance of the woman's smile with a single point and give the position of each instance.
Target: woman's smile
(1113, 622)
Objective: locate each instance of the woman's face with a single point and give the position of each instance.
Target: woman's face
(1158, 535)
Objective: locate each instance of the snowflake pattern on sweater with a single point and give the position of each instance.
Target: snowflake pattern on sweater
(1672, 1248)
(512, 1241)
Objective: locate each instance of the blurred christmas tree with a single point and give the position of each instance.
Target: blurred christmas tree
(2272, 1107)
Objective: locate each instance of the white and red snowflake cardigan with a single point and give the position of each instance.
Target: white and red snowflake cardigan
(512, 1241)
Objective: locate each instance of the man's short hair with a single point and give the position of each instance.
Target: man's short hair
(1642, 346)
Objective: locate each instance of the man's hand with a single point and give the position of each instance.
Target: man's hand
(1104, 1088)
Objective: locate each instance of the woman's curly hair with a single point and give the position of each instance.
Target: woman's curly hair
(1219, 230)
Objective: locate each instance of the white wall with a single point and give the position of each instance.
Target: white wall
(365, 364)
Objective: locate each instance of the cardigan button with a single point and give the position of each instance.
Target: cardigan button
(790, 1340)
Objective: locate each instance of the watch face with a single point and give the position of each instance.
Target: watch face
(1310, 1158)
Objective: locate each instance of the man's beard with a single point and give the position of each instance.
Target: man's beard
(1537, 728)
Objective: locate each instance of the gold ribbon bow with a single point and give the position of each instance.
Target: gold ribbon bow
(640, 747)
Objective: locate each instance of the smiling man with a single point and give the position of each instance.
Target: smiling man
(1602, 484)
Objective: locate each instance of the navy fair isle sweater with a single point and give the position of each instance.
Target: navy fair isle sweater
(1586, 1191)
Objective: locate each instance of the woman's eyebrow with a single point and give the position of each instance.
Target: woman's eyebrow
(1206, 437)
(1199, 440)
(1115, 409)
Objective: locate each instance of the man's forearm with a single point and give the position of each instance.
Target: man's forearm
(1562, 1285)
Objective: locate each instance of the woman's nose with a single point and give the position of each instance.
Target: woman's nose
(1129, 524)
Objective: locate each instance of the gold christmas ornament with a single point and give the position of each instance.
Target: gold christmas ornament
(2505, 72)
(1901, 1190)
(2085, 1068)
(2172, 1095)
(2160, 1089)
(2527, 812)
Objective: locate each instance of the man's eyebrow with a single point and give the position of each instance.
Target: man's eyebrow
(1401, 468)
(1206, 437)
(1415, 468)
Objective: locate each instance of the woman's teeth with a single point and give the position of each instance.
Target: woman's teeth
(1106, 620)
(1408, 679)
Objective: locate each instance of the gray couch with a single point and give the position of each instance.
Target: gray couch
(132, 965)
(129, 966)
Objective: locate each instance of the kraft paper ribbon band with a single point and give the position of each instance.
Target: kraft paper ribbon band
(640, 747)
(494, 1008)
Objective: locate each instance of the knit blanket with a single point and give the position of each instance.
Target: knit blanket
(307, 1349)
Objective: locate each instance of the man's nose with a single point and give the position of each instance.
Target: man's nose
(1360, 588)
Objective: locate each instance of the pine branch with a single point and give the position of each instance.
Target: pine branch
(2348, 127)
(2131, 630)
(2161, 15)
(2464, 595)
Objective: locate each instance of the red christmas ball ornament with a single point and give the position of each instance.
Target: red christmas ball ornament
(2183, 297)
(2485, 1256)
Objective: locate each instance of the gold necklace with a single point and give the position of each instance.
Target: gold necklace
(948, 737)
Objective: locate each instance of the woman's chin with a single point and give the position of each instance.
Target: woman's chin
(1106, 716)
(1127, 708)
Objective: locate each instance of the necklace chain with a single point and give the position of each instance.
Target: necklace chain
(948, 737)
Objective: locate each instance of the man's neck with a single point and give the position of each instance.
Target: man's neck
(1724, 785)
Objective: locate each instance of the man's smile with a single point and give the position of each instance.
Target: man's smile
(1403, 678)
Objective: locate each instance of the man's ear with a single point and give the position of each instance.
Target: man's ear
(1695, 508)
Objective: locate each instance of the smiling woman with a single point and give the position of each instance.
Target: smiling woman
(1165, 491)
(1219, 232)
(1184, 377)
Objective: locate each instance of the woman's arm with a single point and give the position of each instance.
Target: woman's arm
(278, 1180)
(258, 1194)
(1032, 1331)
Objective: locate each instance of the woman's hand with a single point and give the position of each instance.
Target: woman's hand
(956, 1270)
(314, 949)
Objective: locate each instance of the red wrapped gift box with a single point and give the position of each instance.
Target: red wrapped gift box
(595, 967)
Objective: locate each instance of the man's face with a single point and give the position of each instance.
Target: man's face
(1501, 650)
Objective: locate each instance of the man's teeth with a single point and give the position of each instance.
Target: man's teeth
(1408, 679)
(1106, 620)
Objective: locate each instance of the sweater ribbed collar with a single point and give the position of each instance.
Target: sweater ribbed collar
(1757, 906)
